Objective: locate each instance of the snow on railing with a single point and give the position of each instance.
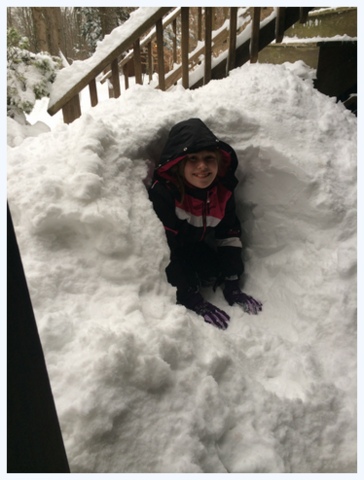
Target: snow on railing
(241, 36)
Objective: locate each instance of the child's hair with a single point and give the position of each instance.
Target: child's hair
(177, 171)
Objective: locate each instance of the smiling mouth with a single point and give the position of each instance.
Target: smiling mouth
(202, 175)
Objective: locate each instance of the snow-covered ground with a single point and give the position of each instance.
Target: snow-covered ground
(143, 385)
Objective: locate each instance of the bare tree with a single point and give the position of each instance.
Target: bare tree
(21, 19)
(66, 29)
(47, 26)
(72, 44)
(53, 22)
(40, 29)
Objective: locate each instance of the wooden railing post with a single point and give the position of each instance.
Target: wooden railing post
(232, 39)
(115, 78)
(137, 62)
(174, 28)
(72, 109)
(199, 24)
(150, 61)
(304, 14)
(254, 42)
(126, 75)
(208, 48)
(160, 53)
(280, 24)
(185, 11)
(93, 92)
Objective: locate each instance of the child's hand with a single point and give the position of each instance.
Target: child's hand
(209, 312)
(234, 295)
(213, 315)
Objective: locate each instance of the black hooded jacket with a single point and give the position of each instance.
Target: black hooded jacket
(197, 214)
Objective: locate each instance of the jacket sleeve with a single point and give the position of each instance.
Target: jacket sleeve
(179, 272)
(229, 246)
(164, 206)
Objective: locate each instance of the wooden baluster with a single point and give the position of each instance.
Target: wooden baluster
(280, 24)
(174, 27)
(93, 93)
(137, 62)
(208, 47)
(304, 14)
(126, 75)
(160, 53)
(72, 109)
(115, 78)
(150, 61)
(185, 45)
(199, 24)
(232, 39)
(254, 42)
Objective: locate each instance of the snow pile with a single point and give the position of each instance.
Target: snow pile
(143, 385)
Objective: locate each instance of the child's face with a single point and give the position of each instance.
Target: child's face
(201, 168)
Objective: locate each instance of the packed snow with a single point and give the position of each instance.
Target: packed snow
(143, 385)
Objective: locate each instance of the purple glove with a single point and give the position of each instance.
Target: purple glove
(233, 294)
(210, 313)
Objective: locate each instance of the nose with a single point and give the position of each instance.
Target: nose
(201, 163)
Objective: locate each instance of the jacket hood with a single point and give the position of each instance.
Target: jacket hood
(190, 136)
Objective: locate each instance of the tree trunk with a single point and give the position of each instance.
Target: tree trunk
(53, 20)
(23, 22)
(9, 18)
(108, 19)
(40, 29)
(47, 29)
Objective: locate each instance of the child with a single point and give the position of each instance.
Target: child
(192, 194)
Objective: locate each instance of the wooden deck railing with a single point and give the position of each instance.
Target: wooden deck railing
(243, 34)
